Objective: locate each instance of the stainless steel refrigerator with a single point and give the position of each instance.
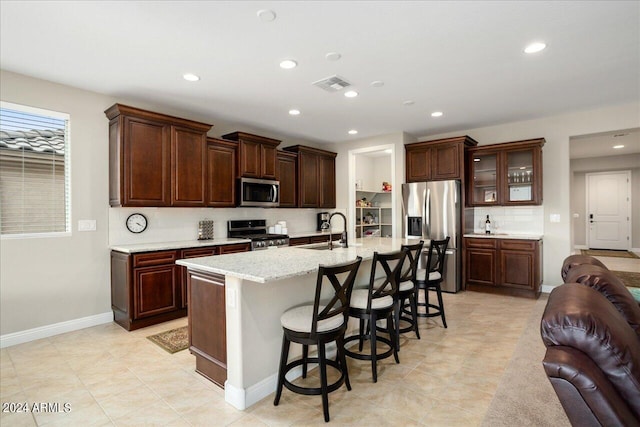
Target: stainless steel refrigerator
(433, 210)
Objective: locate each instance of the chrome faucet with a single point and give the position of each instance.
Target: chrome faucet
(343, 238)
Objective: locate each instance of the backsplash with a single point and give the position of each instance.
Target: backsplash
(511, 219)
(178, 224)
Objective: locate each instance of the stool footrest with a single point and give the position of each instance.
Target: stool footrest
(362, 356)
(313, 390)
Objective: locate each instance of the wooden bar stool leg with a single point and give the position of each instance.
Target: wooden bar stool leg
(305, 355)
(360, 341)
(374, 356)
(394, 339)
(323, 380)
(284, 355)
(414, 313)
(439, 293)
(343, 360)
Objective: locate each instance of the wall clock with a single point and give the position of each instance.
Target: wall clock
(136, 223)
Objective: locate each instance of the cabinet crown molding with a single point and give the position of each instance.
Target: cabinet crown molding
(299, 148)
(120, 109)
(513, 145)
(237, 136)
(467, 140)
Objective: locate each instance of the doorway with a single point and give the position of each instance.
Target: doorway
(369, 167)
(609, 210)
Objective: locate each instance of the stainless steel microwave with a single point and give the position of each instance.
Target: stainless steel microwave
(258, 192)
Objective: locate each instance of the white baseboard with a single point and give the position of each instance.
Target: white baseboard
(21, 337)
(546, 289)
(241, 398)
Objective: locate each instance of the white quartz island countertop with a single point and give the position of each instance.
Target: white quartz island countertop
(504, 236)
(182, 244)
(281, 263)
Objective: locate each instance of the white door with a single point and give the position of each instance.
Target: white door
(608, 210)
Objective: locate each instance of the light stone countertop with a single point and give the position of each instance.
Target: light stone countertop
(280, 263)
(165, 246)
(504, 236)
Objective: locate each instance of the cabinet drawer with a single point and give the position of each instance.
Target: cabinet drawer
(481, 243)
(299, 241)
(198, 252)
(154, 258)
(237, 247)
(518, 245)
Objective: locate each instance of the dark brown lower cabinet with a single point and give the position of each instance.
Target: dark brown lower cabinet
(506, 266)
(207, 325)
(297, 241)
(149, 288)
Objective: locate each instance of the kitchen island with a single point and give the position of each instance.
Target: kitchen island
(236, 301)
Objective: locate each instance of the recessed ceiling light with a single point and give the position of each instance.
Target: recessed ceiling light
(294, 112)
(436, 114)
(190, 77)
(408, 103)
(377, 83)
(353, 132)
(535, 47)
(288, 64)
(351, 94)
(266, 15)
(618, 146)
(333, 56)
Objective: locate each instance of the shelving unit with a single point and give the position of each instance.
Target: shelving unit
(375, 220)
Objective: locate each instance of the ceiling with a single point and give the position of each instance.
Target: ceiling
(601, 145)
(462, 58)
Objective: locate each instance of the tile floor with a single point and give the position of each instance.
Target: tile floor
(109, 376)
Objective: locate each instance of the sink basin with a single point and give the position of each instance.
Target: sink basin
(320, 247)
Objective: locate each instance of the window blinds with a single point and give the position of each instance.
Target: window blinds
(34, 179)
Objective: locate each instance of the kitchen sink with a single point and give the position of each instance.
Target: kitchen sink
(320, 247)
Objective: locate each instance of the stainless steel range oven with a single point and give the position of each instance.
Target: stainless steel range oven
(256, 230)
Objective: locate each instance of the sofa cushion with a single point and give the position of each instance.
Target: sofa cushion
(575, 260)
(580, 317)
(609, 285)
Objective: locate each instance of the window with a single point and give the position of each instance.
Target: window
(34, 171)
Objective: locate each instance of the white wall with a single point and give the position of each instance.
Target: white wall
(579, 169)
(398, 140)
(50, 281)
(557, 131)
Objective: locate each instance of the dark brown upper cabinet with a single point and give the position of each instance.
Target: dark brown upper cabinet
(286, 175)
(154, 159)
(256, 156)
(221, 172)
(439, 159)
(316, 171)
(506, 174)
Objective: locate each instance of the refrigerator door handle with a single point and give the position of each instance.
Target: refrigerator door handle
(427, 213)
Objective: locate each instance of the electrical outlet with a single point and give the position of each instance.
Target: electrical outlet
(87, 225)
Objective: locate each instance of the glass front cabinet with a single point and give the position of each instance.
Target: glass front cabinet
(506, 174)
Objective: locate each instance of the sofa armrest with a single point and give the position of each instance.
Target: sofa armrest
(587, 396)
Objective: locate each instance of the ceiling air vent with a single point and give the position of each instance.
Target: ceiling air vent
(332, 84)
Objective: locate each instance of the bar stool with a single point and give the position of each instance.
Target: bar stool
(377, 302)
(319, 324)
(430, 279)
(408, 290)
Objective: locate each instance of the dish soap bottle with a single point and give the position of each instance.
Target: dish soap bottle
(487, 226)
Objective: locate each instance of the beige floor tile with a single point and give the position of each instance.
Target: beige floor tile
(156, 414)
(128, 402)
(115, 377)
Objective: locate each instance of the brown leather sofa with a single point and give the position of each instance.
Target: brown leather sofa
(590, 330)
